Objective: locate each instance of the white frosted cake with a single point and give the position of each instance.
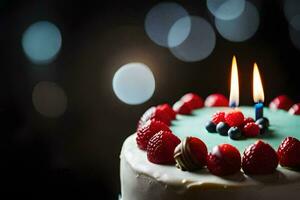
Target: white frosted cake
(144, 180)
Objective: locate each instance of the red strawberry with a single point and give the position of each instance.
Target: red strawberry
(145, 132)
(281, 102)
(295, 109)
(168, 110)
(181, 107)
(199, 150)
(248, 120)
(289, 153)
(259, 158)
(193, 100)
(234, 118)
(154, 113)
(161, 147)
(216, 100)
(224, 160)
(251, 130)
(218, 117)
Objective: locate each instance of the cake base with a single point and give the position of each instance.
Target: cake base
(142, 180)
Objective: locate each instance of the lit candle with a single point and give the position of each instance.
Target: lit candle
(234, 85)
(258, 93)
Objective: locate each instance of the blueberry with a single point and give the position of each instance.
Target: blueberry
(223, 128)
(210, 127)
(263, 129)
(263, 121)
(235, 133)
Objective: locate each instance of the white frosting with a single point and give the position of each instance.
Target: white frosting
(142, 180)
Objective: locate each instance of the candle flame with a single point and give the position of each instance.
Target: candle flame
(234, 85)
(258, 91)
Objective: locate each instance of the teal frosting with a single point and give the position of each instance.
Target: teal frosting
(282, 125)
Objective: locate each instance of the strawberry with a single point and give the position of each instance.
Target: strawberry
(216, 100)
(251, 130)
(289, 153)
(281, 102)
(182, 108)
(218, 117)
(234, 118)
(259, 158)
(193, 100)
(168, 110)
(145, 132)
(154, 113)
(224, 160)
(295, 109)
(161, 146)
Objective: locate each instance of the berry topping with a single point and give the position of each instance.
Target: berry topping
(263, 129)
(248, 120)
(281, 102)
(154, 113)
(264, 122)
(259, 158)
(190, 154)
(145, 132)
(234, 118)
(235, 133)
(289, 153)
(251, 130)
(199, 149)
(216, 100)
(224, 160)
(193, 100)
(222, 128)
(182, 108)
(146, 116)
(218, 117)
(168, 110)
(295, 109)
(161, 147)
(210, 127)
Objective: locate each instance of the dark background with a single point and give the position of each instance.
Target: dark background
(79, 152)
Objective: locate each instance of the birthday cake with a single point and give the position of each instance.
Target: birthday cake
(202, 150)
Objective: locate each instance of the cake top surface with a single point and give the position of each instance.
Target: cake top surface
(282, 125)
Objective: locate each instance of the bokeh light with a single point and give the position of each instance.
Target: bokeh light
(134, 83)
(295, 36)
(291, 9)
(226, 9)
(41, 42)
(241, 28)
(179, 32)
(49, 99)
(159, 21)
(292, 13)
(200, 42)
(295, 22)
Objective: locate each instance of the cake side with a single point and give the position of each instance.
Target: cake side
(142, 180)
